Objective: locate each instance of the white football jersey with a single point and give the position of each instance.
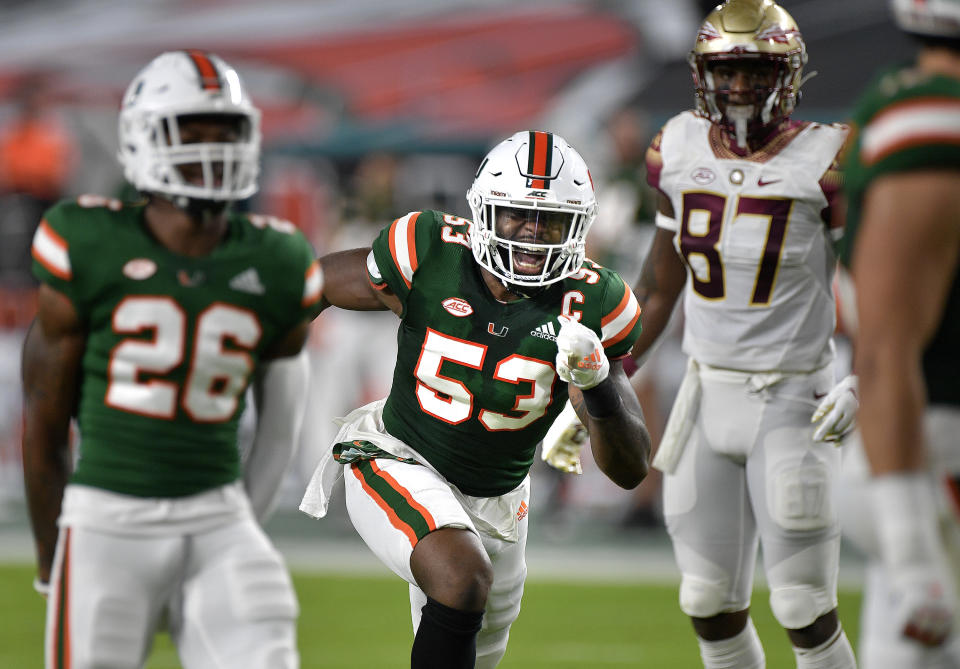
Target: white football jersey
(755, 235)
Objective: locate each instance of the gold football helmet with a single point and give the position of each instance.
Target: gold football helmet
(755, 33)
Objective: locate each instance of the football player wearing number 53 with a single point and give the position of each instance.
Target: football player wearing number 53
(744, 234)
(154, 318)
(501, 319)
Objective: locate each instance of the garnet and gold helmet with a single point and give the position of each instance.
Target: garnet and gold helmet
(749, 31)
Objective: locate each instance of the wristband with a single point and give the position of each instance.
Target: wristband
(603, 400)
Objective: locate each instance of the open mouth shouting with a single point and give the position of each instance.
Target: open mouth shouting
(528, 263)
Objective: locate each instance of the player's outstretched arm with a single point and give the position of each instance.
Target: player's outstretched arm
(52, 353)
(347, 285)
(604, 399)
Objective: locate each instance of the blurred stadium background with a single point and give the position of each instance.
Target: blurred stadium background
(373, 108)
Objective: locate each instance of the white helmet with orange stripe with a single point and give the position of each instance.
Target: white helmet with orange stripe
(174, 88)
(533, 203)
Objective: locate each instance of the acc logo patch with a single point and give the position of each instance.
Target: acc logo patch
(457, 307)
(703, 175)
(140, 268)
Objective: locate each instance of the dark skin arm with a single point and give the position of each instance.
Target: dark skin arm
(52, 353)
(345, 284)
(619, 441)
(661, 280)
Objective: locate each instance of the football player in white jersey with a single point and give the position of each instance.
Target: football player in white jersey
(743, 233)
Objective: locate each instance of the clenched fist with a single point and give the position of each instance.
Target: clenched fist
(580, 357)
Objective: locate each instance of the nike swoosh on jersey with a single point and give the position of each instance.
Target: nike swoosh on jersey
(761, 182)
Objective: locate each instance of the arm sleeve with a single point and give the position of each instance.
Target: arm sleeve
(399, 250)
(620, 322)
(54, 251)
(280, 394)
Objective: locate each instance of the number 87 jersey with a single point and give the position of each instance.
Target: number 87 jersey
(171, 341)
(755, 234)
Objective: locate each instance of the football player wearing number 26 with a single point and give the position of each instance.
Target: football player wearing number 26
(154, 317)
(501, 319)
(744, 234)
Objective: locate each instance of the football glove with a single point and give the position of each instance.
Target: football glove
(836, 415)
(580, 357)
(562, 443)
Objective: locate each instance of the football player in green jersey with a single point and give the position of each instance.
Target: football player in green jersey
(153, 320)
(903, 186)
(500, 319)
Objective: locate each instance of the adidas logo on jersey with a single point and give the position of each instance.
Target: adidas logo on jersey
(248, 281)
(545, 331)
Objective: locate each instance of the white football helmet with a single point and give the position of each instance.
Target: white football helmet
(180, 84)
(540, 173)
(932, 18)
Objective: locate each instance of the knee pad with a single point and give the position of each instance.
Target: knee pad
(797, 606)
(700, 598)
(799, 498)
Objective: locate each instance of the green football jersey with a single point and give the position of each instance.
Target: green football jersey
(907, 121)
(475, 386)
(171, 341)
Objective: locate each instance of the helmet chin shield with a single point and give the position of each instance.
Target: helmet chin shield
(157, 151)
(533, 204)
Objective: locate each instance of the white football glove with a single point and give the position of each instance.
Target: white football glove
(580, 357)
(837, 412)
(561, 445)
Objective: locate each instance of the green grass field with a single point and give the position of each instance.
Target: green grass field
(350, 622)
